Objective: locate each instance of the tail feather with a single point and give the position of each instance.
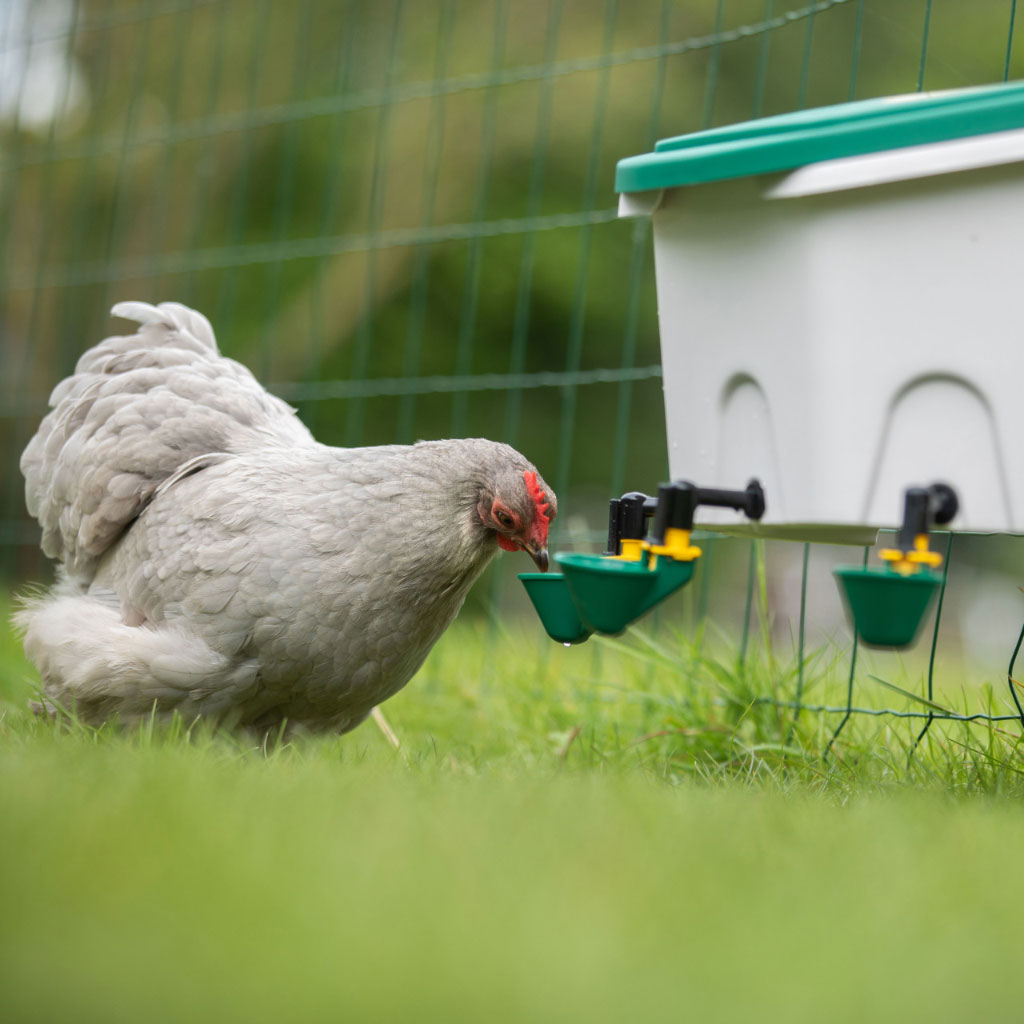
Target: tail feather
(93, 663)
(137, 408)
(172, 315)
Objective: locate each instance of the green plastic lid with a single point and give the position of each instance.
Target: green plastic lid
(807, 136)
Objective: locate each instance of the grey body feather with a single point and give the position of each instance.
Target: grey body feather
(219, 561)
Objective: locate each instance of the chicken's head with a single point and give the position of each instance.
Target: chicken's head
(519, 511)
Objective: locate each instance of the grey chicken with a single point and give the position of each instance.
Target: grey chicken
(219, 561)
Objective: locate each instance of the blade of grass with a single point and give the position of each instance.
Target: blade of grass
(910, 696)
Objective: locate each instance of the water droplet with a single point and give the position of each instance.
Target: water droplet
(564, 644)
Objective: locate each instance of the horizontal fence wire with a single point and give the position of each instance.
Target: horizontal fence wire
(395, 386)
(263, 253)
(277, 114)
(842, 709)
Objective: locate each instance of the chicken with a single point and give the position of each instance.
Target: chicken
(218, 561)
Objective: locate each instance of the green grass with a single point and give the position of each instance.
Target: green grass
(614, 832)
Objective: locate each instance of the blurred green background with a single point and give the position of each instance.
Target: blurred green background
(400, 214)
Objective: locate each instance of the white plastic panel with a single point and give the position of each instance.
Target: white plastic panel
(877, 334)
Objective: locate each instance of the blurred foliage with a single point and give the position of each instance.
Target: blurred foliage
(371, 191)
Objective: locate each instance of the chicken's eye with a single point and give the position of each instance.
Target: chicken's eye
(504, 519)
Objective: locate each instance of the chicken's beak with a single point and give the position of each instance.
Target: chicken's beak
(539, 556)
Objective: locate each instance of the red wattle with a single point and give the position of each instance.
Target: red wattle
(507, 543)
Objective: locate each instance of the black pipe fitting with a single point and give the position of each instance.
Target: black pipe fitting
(626, 519)
(677, 503)
(614, 527)
(674, 507)
(634, 513)
(924, 507)
(749, 501)
(944, 503)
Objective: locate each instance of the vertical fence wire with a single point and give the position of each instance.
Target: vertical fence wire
(714, 58)
(183, 26)
(413, 349)
(329, 207)
(231, 278)
(858, 32)
(121, 218)
(528, 253)
(1011, 682)
(805, 63)
(356, 417)
(465, 345)
(637, 267)
(801, 655)
(924, 44)
(1009, 40)
(86, 225)
(761, 78)
(848, 710)
(574, 352)
(81, 230)
(201, 192)
(748, 602)
(284, 190)
(934, 647)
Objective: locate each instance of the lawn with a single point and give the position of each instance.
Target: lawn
(613, 832)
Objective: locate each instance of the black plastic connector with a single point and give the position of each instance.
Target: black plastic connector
(614, 527)
(677, 503)
(944, 503)
(627, 519)
(749, 501)
(634, 515)
(924, 507)
(675, 506)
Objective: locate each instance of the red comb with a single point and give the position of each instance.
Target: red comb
(536, 492)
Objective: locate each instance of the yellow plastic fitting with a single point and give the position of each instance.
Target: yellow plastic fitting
(906, 563)
(632, 550)
(677, 545)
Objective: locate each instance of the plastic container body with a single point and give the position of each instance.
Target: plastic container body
(845, 329)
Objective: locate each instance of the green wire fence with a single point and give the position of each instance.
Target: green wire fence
(400, 214)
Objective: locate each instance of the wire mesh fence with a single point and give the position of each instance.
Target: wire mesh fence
(922, 709)
(400, 215)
